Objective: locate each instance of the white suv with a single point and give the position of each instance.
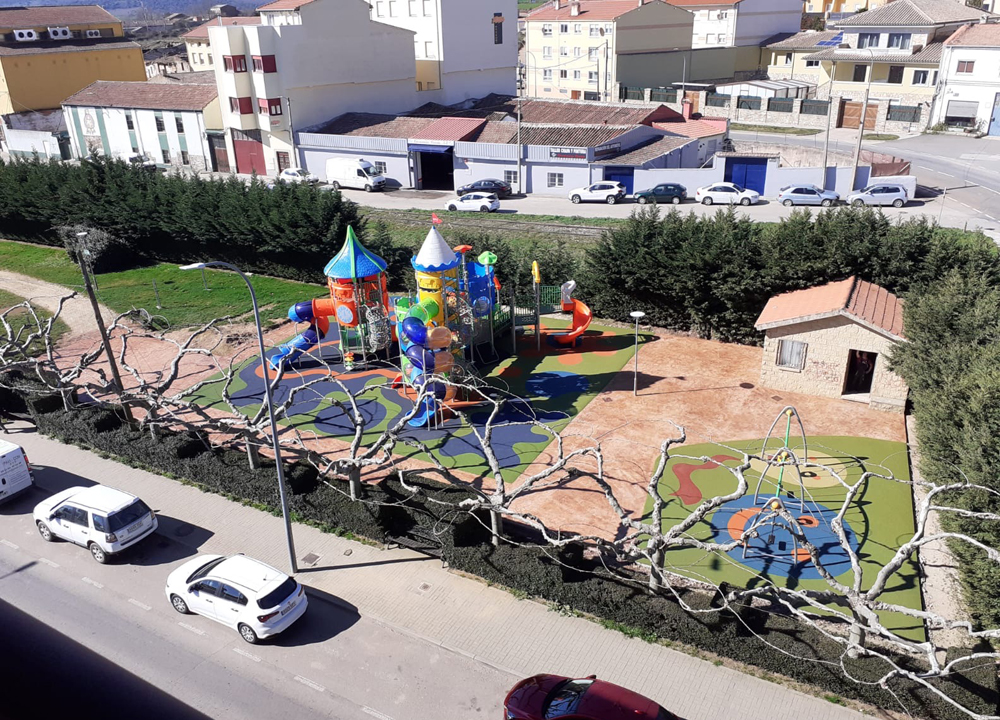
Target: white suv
(255, 599)
(609, 192)
(102, 519)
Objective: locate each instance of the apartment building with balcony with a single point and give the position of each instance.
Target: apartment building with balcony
(969, 82)
(740, 23)
(572, 49)
(465, 49)
(199, 50)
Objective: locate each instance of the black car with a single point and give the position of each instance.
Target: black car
(490, 185)
(662, 193)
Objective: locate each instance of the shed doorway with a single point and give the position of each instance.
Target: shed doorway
(435, 166)
(860, 371)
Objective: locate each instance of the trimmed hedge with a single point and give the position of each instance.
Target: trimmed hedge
(563, 576)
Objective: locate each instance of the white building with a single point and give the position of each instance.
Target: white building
(170, 123)
(469, 49)
(969, 81)
(740, 23)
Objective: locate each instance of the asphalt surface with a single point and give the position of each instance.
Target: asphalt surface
(96, 639)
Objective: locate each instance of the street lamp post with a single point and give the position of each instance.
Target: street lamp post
(268, 400)
(864, 115)
(637, 315)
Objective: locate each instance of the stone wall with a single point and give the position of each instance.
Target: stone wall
(828, 345)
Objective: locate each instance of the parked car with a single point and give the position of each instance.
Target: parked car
(726, 193)
(255, 599)
(807, 195)
(354, 173)
(15, 470)
(475, 202)
(662, 193)
(297, 175)
(100, 518)
(489, 185)
(608, 192)
(550, 697)
(880, 194)
(143, 162)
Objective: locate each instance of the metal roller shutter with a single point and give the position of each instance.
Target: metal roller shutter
(962, 109)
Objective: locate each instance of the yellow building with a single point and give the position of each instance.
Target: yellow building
(199, 50)
(47, 53)
(826, 7)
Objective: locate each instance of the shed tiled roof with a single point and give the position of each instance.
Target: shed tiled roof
(699, 3)
(449, 128)
(76, 45)
(54, 16)
(804, 39)
(643, 153)
(374, 125)
(930, 55)
(147, 96)
(279, 5)
(201, 77)
(201, 32)
(498, 131)
(590, 10)
(869, 304)
(978, 35)
(582, 112)
(694, 127)
(571, 135)
(914, 13)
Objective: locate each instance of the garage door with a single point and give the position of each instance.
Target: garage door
(751, 173)
(850, 115)
(249, 151)
(626, 176)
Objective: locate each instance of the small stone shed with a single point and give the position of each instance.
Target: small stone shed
(834, 340)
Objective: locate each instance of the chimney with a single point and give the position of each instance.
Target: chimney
(686, 109)
(640, 3)
(574, 8)
(557, 4)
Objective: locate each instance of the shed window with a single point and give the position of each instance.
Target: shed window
(791, 354)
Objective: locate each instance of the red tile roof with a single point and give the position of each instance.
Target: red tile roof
(201, 32)
(871, 305)
(55, 16)
(686, 3)
(147, 96)
(450, 128)
(374, 125)
(694, 127)
(279, 5)
(978, 35)
(585, 112)
(590, 10)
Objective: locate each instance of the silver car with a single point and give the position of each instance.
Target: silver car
(880, 194)
(807, 195)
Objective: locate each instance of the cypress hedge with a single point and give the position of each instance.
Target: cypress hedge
(564, 576)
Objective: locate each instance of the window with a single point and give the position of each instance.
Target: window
(428, 8)
(860, 73)
(135, 149)
(498, 28)
(74, 515)
(210, 60)
(264, 63)
(100, 523)
(710, 38)
(812, 63)
(234, 63)
(546, 51)
(563, 74)
(592, 77)
(241, 105)
(201, 58)
(791, 354)
(609, 28)
(392, 9)
(414, 6)
(510, 177)
(546, 74)
(274, 106)
(966, 66)
(564, 51)
(179, 122)
(185, 159)
(919, 77)
(722, 39)
(128, 121)
(232, 595)
(160, 127)
(900, 41)
(554, 180)
(380, 167)
(723, 14)
(209, 587)
(278, 595)
(868, 40)
(547, 30)
(576, 74)
(380, 9)
(429, 48)
(283, 161)
(563, 28)
(592, 53)
(577, 52)
(578, 28)
(595, 30)
(896, 74)
(262, 106)
(166, 157)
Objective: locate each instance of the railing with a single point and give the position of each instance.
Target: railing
(551, 299)
(631, 93)
(748, 102)
(815, 107)
(717, 100)
(904, 113)
(662, 95)
(785, 105)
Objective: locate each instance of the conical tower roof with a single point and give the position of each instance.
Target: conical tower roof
(435, 254)
(354, 261)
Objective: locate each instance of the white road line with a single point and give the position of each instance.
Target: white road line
(9, 544)
(93, 582)
(945, 174)
(141, 605)
(48, 562)
(192, 628)
(309, 683)
(245, 654)
(375, 713)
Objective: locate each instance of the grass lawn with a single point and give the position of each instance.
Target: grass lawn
(774, 129)
(881, 136)
(880, 519)
(22, 318)
(183, 298)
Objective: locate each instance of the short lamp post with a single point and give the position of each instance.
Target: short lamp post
(637, 315)
(268, 399)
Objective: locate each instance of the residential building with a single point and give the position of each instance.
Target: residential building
(199, 52)
(740, 23)
(969, 83)
(166, 61)
(572, 50)
(463, 47)
(787, 58)
(35, 134)
(47, 53)
(171, 123)
(830, 8)
(710, 132)
(223, 10)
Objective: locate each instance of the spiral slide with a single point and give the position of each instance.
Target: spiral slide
(582, 315)
(315, 312)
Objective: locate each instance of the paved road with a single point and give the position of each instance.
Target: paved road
(331, 664)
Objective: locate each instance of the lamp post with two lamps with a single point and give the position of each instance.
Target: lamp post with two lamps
(637, 315)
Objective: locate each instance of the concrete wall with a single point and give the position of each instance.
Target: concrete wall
(574, 176)
(654, 27)
(690, 178)
(649, 70)
(27, 143)
(469, 170)
(397, 167)
(757, 20)
(829, 342)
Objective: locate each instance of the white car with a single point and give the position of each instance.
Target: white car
(255, 599)
(475, 202)
(607, 192)
(297, 175)
(100, 518)
(726, 194)
(880, 194)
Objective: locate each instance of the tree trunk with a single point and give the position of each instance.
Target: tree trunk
(253, 454)
(856, 638)
(496, 526)
(656, 566)
(354, 478)
(67, 398)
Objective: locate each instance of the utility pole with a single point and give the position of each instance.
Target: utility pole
(80, 250)
(291, 134)
(520, 148)
(864, 116)
(829, 113)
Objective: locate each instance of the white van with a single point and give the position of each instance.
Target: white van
(15, 472)
(354, 173)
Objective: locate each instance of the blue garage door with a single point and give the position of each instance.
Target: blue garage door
(621, 174)
(748, 172)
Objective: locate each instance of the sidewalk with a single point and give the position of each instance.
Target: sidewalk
(415, 595)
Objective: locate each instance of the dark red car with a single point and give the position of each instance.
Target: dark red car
(554, 697)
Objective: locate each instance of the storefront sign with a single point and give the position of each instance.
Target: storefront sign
(564, 152)
(608, 149)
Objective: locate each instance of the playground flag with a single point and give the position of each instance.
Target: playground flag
(435, 219)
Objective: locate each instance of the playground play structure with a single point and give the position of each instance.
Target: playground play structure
(441, 332)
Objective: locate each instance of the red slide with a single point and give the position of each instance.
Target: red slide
(582, 316)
